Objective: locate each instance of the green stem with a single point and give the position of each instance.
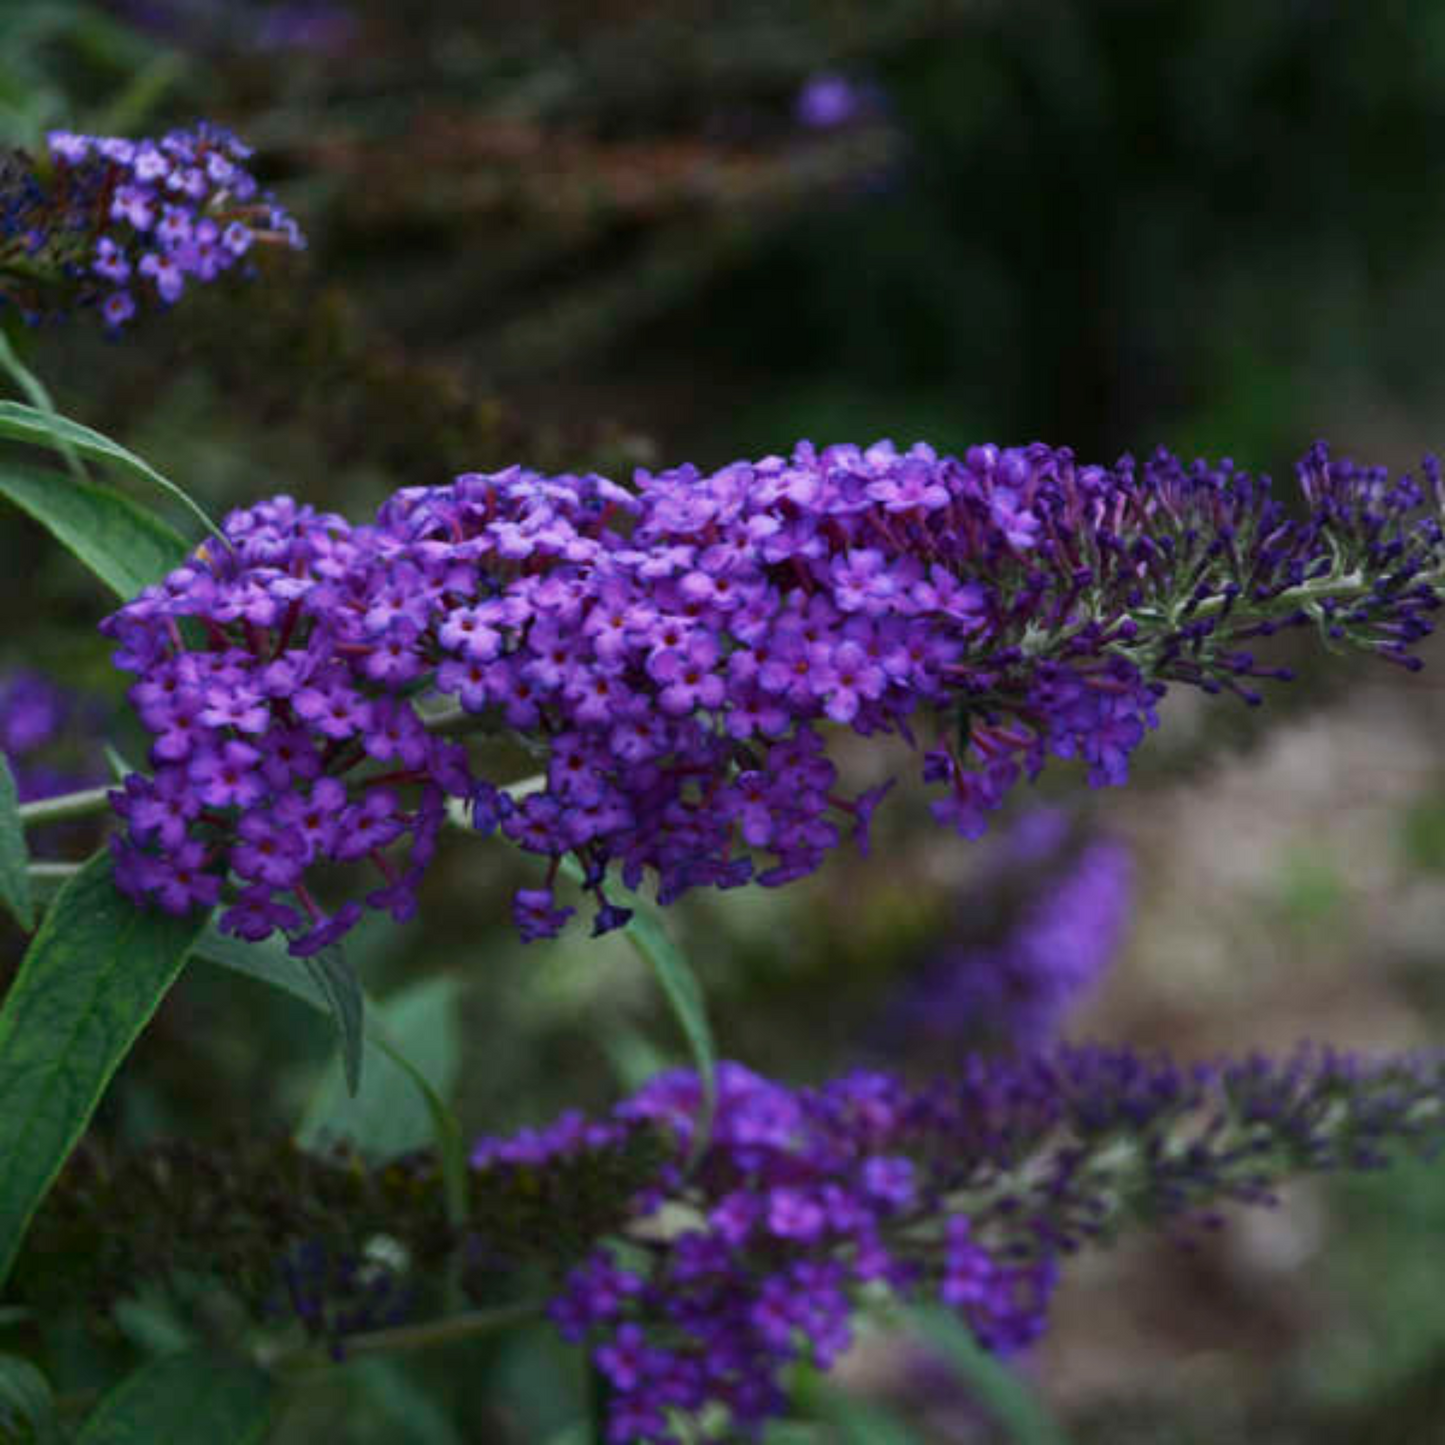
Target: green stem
(404, 1338)
(1351, 584)
(83, 804)
(1292, 598)
(47, 871)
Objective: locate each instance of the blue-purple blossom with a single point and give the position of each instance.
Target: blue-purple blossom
(970, 1190)
(121, 224)
(1053, 910)
(801, 1198)
(678, 653)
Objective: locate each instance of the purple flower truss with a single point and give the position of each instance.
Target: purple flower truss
(675, 654)
(121, 224)
(793, 1207)
(1051, 948)
(969, 1190)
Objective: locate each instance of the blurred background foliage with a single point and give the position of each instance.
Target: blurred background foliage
(595, 236)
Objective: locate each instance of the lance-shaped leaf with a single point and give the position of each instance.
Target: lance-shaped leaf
(39, 397)
(44, 428)
(384, 1118)
(679, 983)
(123, 543)
(194, 1398)
(326, 981)
(334, 976)
(855, 1421)
(90, 981)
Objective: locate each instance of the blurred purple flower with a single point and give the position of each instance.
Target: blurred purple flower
(828, 100)
(50, 736)
(1059, 911)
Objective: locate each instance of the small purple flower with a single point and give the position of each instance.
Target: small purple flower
(326, 931)
(828, 100)
(536, 916)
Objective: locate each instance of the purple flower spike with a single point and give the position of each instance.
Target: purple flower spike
(806, 1200)
(678, 656)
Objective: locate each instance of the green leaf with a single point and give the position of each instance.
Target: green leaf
(680, 985)
(125, 545)
(644, 931)
(269, 963)
(384, 1118)
(90, 980)
(326, 982)
(337, 980)
(683, 992)
(785, 1432)
(31, 424)
(26, 1401)
(991, 1382)
(195, 1398)
(14, 857)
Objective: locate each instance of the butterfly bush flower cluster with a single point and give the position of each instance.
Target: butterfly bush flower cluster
(698, 1266)
(1056, 909)
(800, 1198)
(122, 224)
(804, 1203)
(676, 654)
